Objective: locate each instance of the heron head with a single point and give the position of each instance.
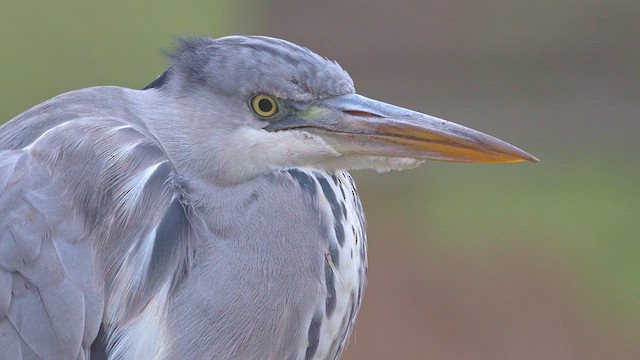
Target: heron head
(251, 105)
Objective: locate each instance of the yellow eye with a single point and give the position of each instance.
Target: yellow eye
(264, 106)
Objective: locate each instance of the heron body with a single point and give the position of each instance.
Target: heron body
(207, 216)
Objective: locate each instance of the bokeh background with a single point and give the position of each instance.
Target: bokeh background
(519, 261)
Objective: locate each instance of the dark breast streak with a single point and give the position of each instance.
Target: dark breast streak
(345, 262)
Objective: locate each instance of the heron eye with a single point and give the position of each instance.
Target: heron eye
(265, 106)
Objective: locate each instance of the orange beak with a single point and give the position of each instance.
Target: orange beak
(356, 124)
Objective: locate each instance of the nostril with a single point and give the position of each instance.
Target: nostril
(360, 113)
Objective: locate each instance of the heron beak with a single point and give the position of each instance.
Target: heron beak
(356, 124)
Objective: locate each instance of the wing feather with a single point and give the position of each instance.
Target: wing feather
(81, 190)
(10, 342)
(5, 292)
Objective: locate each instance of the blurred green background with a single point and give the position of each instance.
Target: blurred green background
(520, 261)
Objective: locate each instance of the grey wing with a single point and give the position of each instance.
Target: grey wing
(76, 195)
(50, 302)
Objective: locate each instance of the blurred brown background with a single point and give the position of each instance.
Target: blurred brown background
(521, 261)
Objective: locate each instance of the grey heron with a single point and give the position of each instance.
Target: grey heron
(207, 216)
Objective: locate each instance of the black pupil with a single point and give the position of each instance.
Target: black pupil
(265, 105)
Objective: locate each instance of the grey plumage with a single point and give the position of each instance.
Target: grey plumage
(249, 65)
(179, 225)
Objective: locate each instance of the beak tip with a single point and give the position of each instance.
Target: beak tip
(515, 153)
(524, 156)
(505, 152)
(530, 158)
